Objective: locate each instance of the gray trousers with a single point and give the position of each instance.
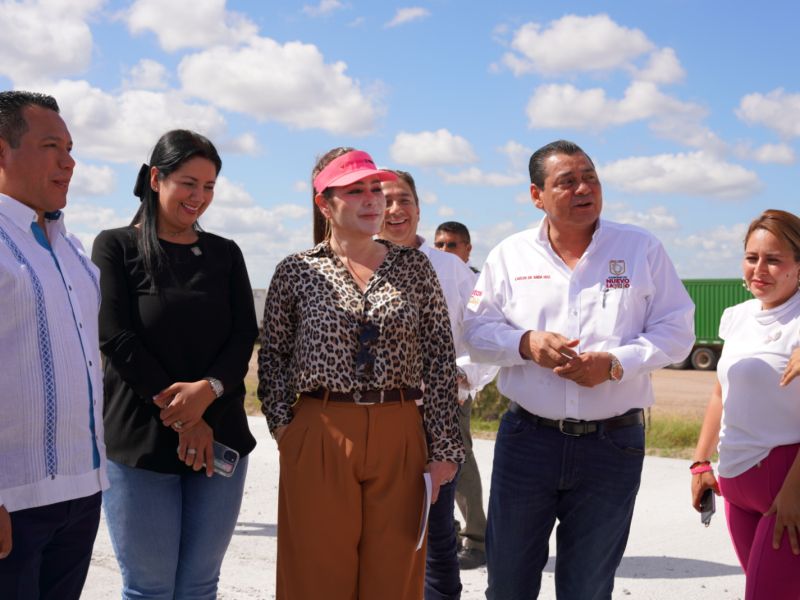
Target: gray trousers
(469, 493)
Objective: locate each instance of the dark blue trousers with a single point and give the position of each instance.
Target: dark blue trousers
(442, 575)
(51, 550)
(588, 483)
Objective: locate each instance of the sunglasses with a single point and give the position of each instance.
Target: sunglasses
(448, 245)
(365, 358)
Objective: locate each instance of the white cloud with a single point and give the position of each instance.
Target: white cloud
(45, 38)
(718, 250)
(663, 67)
(125, 128)
(565, 106)
(523, 198)
(247, 143)
(234, 211)
(87, 219)
(657, 218)
(325, 7)
(687, 129)
(289, 83)
(777, 110)
(574, 43)
(476, 176)
(518, 155)
(695, 174)
(445, 211)
(781, 154)
(301, 186)
(92, 180)
(357, 22)
(406, 15)
(189, 24)
(147, 74)
(431, 148)
(428, 197)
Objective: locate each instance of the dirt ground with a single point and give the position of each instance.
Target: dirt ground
(682, 393)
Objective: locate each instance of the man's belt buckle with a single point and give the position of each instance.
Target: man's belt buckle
(561, 427)
(357, 398)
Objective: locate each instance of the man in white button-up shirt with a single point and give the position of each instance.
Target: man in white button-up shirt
(52, 457)
(577, 312)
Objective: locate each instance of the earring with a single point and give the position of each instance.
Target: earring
(744, 284)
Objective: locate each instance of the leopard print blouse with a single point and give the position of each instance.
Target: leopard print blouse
(313, 319)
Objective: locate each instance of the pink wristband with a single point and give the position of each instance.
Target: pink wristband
(701, 469)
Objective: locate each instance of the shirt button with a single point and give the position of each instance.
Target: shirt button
(90, 363)
(80, 325)
(70, 287)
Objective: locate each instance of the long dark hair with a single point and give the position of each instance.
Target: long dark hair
(172, 150)
(321, 226)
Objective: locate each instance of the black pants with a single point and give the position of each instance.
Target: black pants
(51, 550)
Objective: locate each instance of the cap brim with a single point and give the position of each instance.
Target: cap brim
(353, 176)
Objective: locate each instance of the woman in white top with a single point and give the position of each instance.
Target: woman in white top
(756, 401)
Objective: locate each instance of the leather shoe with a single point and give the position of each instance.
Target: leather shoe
(471, 558)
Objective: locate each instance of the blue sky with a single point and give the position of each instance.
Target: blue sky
(690, 110)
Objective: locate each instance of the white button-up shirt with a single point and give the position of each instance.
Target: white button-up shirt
(457, 281)
(51, 416)
(623, 297)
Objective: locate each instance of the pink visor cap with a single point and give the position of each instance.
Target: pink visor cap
(349, 168)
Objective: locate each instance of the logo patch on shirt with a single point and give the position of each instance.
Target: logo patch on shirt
(617, 280)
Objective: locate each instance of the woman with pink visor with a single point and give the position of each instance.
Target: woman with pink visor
(352, 327)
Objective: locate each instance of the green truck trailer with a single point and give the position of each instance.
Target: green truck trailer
(711, 297)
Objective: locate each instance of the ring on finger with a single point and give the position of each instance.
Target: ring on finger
(177, 425)
(191, 451)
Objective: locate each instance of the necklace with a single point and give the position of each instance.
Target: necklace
(353, 271)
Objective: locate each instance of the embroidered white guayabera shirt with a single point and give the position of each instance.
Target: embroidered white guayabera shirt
(51, 423)
(623, 297)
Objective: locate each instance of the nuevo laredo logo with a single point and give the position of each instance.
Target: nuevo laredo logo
(617, 270)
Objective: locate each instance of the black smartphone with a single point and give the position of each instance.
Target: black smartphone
(225, 459)
(708, 506)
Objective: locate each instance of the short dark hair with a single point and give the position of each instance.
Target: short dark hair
(409, 180)
(12, 104)
(171, 151)
(455, 228)
(536, 166)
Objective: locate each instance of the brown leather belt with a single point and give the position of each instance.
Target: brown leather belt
(577, 428)
(368, 396)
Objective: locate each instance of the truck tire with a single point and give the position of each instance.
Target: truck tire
(704, 359)
(686, 363)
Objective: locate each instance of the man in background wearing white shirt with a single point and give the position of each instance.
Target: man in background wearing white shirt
(52, 457)
(442, 578)
(453, 237)
(577, 312)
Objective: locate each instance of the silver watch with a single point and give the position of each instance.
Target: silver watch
(216, 386)
(615, 369)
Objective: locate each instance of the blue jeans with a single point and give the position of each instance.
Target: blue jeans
(442, 576)
(588, 483)
(170, 532)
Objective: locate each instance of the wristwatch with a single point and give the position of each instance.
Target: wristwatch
(216, 386)
(615, 369)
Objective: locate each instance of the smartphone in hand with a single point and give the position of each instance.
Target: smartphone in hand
(708, 506)
(225, 459)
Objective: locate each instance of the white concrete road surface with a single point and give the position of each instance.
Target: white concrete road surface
(670, 555)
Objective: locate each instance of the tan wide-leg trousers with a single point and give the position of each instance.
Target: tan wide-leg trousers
(350, 501)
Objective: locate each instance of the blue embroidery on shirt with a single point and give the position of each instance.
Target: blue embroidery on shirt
(85, 264)
(46, 357)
